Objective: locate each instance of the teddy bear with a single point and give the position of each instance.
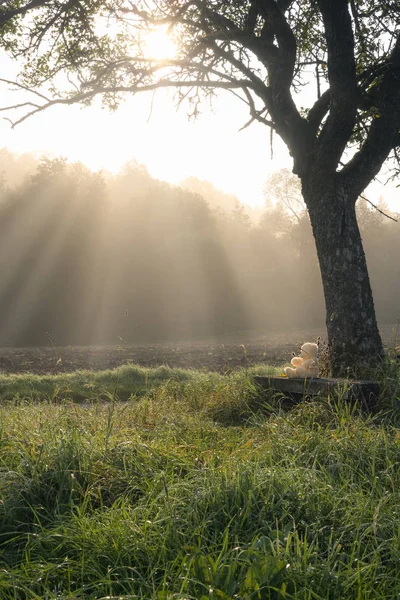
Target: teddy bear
(305, 365)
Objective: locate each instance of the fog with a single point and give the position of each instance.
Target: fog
(90, 258)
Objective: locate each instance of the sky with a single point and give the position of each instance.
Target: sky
(162, 138)
(156, 134)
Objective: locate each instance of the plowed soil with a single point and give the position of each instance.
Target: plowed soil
(212, 355)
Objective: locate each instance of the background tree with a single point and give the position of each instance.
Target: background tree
(263, 51)
(98, 258)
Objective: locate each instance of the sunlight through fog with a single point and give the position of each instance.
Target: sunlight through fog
(150, 129)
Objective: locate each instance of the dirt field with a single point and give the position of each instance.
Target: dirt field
(222, 355)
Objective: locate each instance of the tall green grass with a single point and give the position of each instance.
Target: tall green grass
(121, 383)
(194, 488)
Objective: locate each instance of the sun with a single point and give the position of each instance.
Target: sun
(159, 45)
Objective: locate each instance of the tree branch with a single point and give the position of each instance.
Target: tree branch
(26, 88)
(378, 209)
(342, 82)
(318, 111)
(283, 5)
(384, 132)
(280, 60)
(396, 141)
(256, 115)
(259, 86)
(22, 10)
(87, 96)
(280, 63)
(251, 17)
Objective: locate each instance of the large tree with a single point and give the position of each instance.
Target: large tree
(263, 51)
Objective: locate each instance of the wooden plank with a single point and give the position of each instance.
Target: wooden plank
(364, 390)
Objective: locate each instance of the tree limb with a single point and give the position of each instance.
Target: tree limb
(283, 5)
(87, 96)
(384, 132)
(26, 88)
(378, 209)
(258, 85)
(251, 17)
(6, 16)
(280, 63)
(256, 115)
(279, 60)
(318, 111)
(342, 82)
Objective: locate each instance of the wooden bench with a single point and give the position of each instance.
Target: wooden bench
(360, 390)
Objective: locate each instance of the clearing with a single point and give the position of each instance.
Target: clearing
(223, 355)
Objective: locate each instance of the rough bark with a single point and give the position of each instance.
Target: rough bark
(343, 92)
(353, 334)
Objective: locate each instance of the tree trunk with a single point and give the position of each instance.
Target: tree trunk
(353, 335)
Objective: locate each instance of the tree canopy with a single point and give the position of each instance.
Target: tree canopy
(262, 51)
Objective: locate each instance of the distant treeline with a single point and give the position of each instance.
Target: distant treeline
(99, 258)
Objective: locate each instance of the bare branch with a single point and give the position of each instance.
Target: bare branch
(16, 106)
(256, 115)
(133, 89)
(26, 88)
(378, 209)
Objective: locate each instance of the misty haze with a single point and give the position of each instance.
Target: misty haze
(95, 258)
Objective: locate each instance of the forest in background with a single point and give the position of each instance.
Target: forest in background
(89, 258)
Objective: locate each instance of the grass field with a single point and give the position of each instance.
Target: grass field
(164, 484)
